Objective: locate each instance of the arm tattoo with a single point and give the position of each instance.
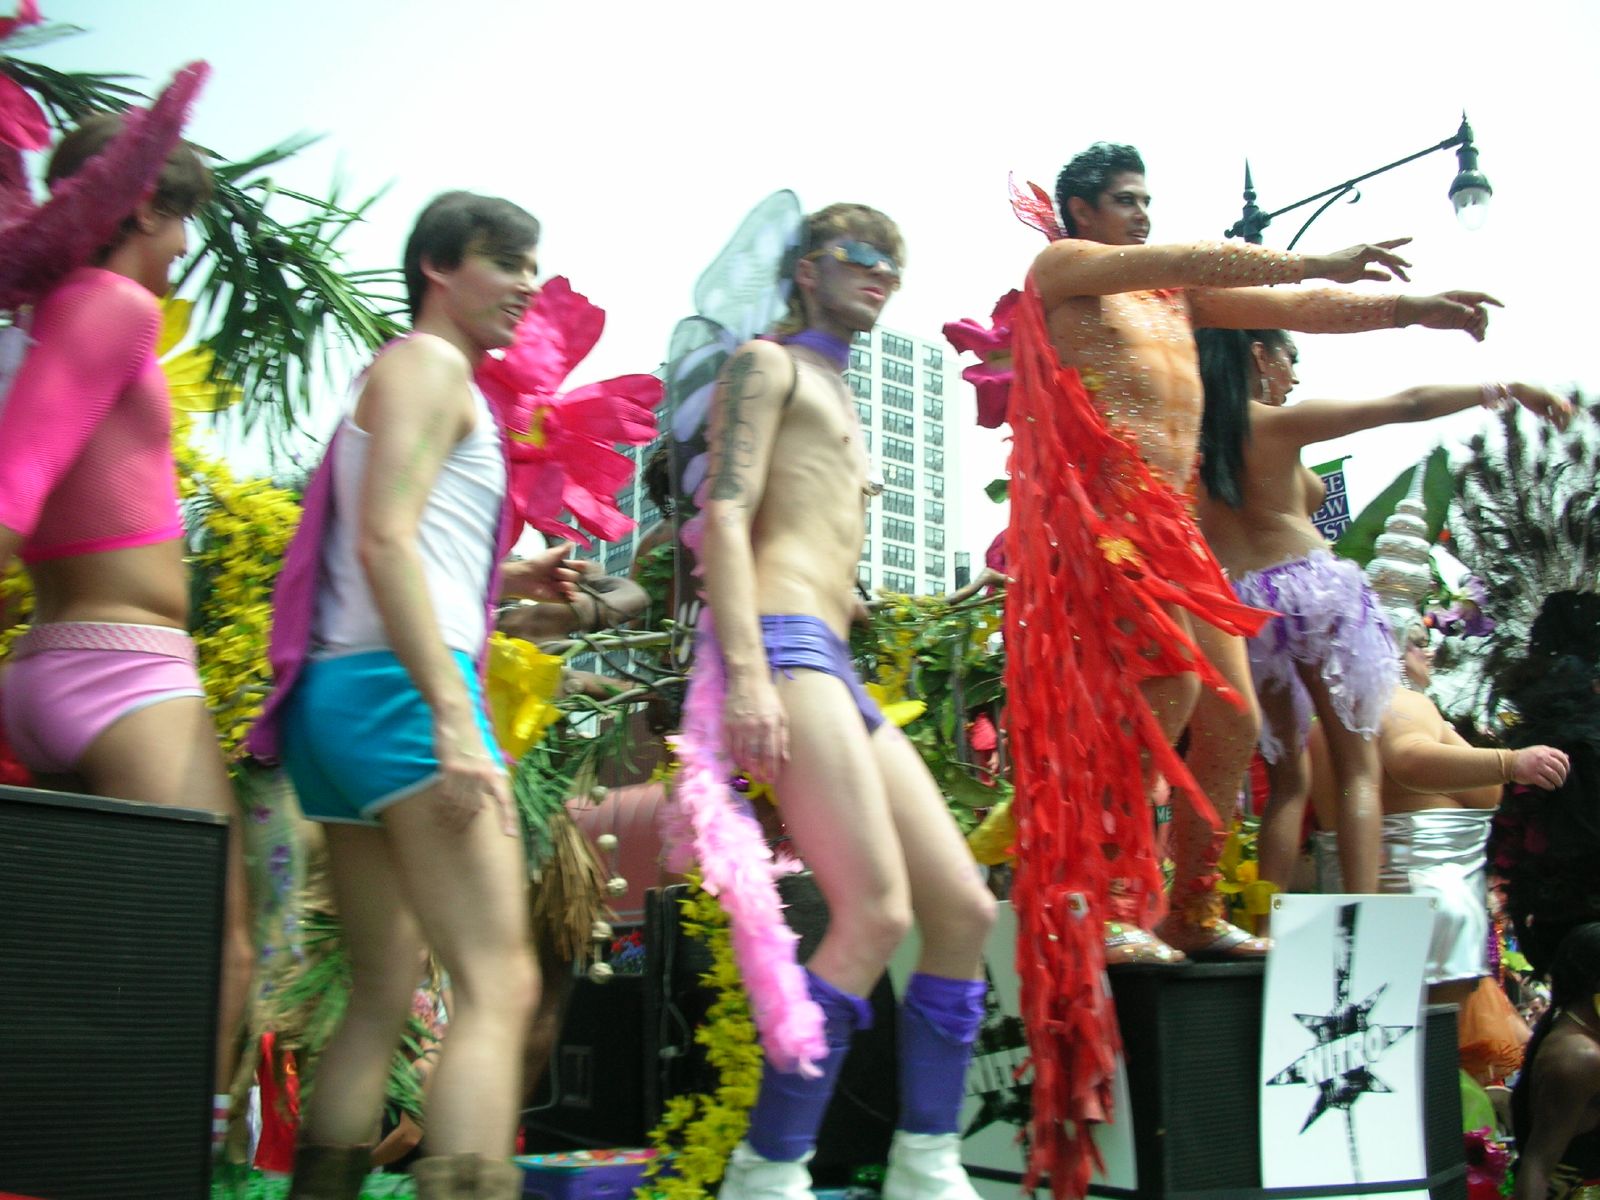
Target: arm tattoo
(737, 445)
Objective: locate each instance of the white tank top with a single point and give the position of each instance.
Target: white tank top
(457, 536)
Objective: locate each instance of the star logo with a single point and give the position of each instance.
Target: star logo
(1347, 1045)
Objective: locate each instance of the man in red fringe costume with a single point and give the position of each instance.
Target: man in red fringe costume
(1106, 658)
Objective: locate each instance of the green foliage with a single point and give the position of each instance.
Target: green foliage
(278, 306)
(922, 648)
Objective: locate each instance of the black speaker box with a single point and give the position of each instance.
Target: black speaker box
(859, 1122)
(1192, 1076)
(592, 1096)
(110, 950)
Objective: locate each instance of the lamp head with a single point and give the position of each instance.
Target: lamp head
(1470, 190)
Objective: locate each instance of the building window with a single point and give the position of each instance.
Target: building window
(935, 511)
(900, 530)
(901, 503)
(901, 477)
(863, 337)
(936, 486)
(902, 557)
(896, 582)
(860, 385)
(898, 423)
(936, 566)
(899, 397)
(864, 411)
(933, 357)
(899, 372)
(899, 347)
(932, 384)
(933, 434)
(866, 436)
(932, 409)
(867, 521)
(860, 360)
(900, 451)
(864, 576)
(933, 537)
(866, 550)
(932, 459)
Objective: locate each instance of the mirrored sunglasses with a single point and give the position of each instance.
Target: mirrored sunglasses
(861, 254)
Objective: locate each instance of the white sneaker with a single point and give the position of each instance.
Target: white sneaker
(926, 1166)
(751, 1177)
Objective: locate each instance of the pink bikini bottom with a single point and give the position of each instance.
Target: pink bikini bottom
(67, 683)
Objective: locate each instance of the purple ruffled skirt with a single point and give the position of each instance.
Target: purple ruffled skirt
(1331, 620)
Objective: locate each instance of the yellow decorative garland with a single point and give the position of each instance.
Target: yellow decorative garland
(698, 1133)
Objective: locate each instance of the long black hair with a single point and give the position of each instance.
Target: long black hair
(1228, 375)
(1574, 979)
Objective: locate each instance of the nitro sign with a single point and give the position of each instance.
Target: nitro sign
(1341, 1041)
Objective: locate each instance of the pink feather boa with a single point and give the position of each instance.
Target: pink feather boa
(739, 870)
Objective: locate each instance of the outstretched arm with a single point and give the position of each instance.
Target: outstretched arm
(1312, 421)
(746, 411)
(1329, 310)
(1074, 267)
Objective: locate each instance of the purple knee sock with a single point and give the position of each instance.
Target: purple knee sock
(939, 1021)
(789, 1107)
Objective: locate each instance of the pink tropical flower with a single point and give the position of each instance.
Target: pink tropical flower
(992, 343)
(562, 445)
(22, 122)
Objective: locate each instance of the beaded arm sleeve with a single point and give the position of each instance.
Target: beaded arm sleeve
(1099, 548)
(1074, 267)
(1316, 310)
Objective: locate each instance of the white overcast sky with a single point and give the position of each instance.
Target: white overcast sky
(640, 133)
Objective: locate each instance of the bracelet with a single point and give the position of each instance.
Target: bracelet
(1496, 397)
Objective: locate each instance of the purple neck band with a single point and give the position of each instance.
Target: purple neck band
(835, 349)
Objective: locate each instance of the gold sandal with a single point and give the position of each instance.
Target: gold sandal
(1126, 943)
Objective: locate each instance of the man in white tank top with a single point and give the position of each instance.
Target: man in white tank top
(385, 731)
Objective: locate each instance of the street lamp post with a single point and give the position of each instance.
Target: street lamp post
(1469, 191)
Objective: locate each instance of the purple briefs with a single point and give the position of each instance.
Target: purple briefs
(807, 644)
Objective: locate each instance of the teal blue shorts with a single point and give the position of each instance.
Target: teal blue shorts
(358, 736)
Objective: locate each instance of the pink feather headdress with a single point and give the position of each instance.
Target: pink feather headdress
(40, 244)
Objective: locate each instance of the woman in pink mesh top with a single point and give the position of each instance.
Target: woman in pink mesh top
(102, 694)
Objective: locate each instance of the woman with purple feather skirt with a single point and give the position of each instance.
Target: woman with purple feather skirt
(1330, 651)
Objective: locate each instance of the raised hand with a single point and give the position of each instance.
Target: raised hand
(1553, 408)
(1467, 311)
(1356, 263)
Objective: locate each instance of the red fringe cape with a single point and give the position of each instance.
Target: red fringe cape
(1097, 547)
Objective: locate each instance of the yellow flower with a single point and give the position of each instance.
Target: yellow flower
(523, 683)
(188, 374)
(898, 711)
(1118, 550)
(991, 842)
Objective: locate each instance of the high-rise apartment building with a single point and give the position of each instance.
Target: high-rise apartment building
(899, 386)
